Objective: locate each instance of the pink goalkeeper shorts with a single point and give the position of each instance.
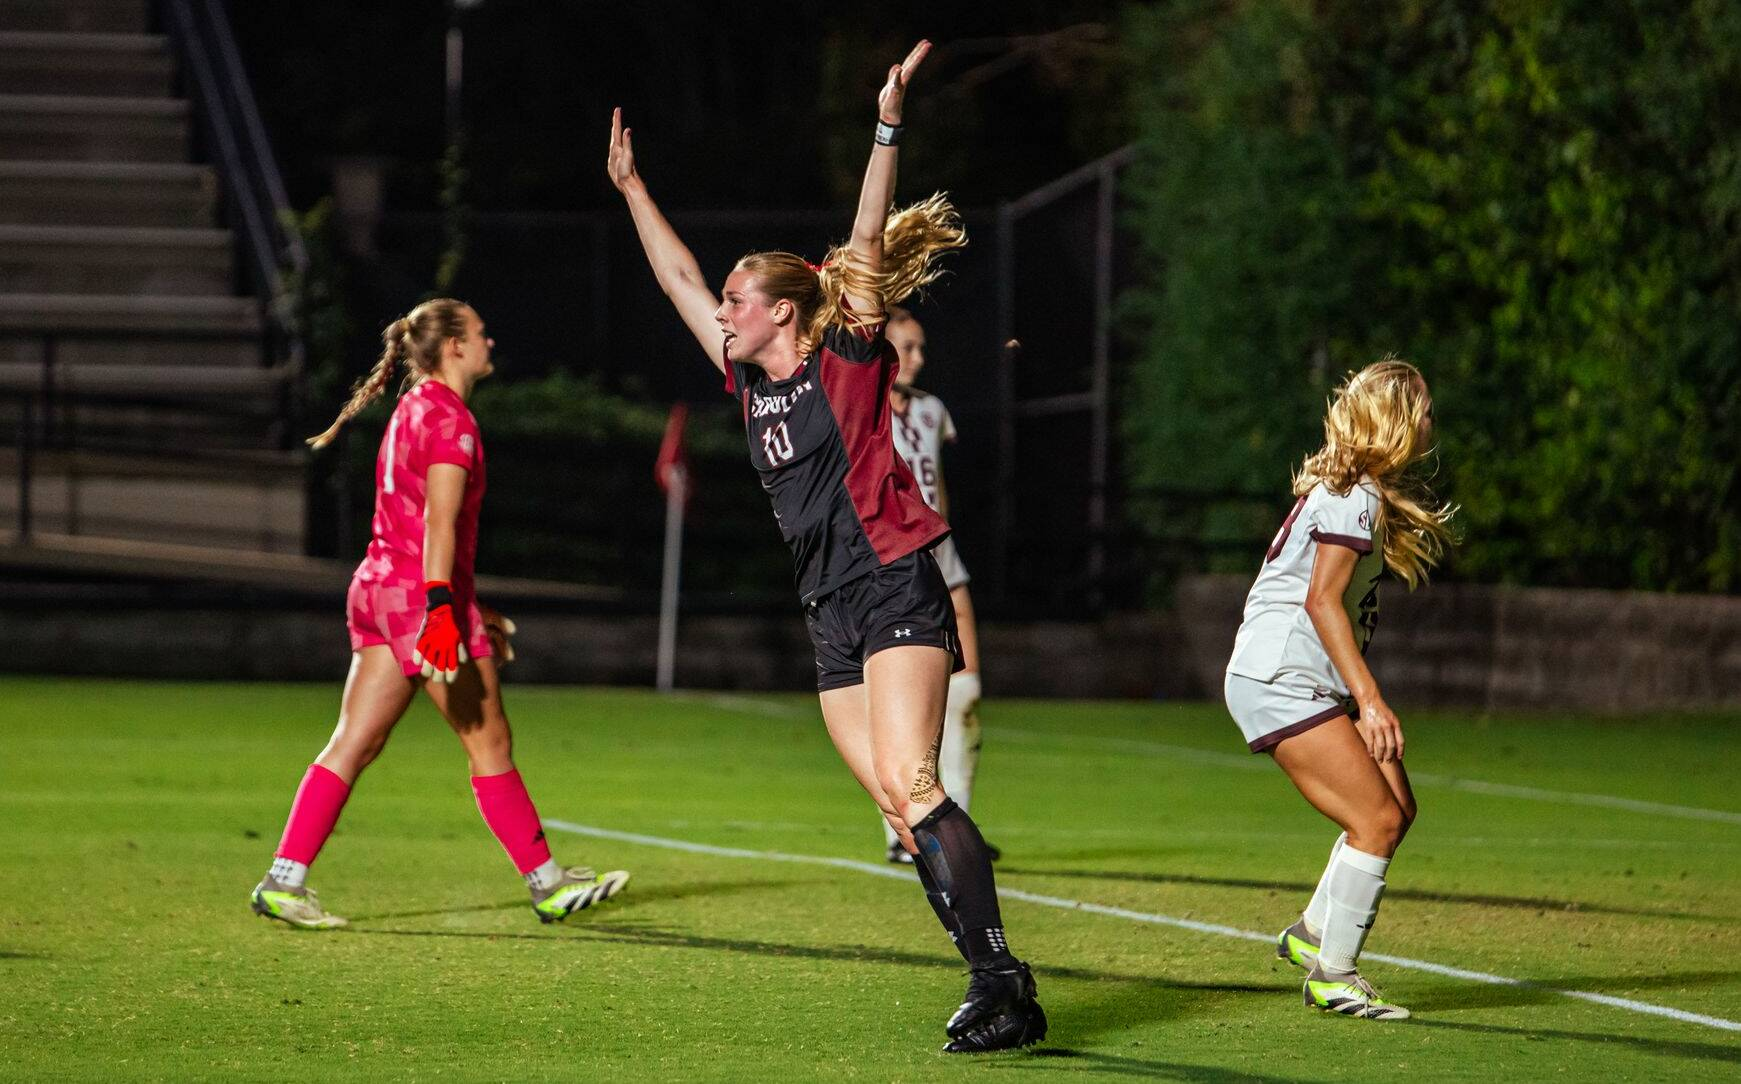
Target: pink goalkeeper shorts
(392, 614)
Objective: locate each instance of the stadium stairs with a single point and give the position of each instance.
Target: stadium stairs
(149, 384)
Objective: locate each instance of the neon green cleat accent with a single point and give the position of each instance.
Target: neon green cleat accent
(301, 909)
(1297, 946)
(579, 889)
(1349, 995)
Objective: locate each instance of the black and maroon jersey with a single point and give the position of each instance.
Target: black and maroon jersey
(845, 501)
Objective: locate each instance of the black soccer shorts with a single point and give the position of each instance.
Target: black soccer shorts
(902, 603)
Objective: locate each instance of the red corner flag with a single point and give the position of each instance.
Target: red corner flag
(671, 448)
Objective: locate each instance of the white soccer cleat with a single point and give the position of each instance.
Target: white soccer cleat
(1349, 995)
(297, 906)
(579, 889)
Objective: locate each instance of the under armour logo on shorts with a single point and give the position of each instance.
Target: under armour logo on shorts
(903, 632)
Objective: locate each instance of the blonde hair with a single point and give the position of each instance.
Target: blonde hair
(413, 340)
(913, 238)
(1373, 429)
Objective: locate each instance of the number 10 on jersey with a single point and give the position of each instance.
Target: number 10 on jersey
(777, 444)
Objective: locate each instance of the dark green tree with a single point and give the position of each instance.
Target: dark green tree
(1537, 202)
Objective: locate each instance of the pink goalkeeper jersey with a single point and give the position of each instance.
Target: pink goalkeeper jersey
(430, 425)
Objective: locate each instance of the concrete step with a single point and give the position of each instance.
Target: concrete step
(251, 502)
(92, 129)
(149, 409)
(109, 65)
(157, 350)
(233, 386)
(107, 194)
(93, 16)
(115, 260)
(94, 315)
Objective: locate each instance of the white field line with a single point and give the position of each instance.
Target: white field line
(1431, 779)
(1063, 904)
(1246, 762)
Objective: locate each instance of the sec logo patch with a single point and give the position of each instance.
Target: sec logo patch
(1365, 518)
(466, 445)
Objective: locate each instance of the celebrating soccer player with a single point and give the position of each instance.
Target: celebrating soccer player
(1298, 684)
(803, 350)
(415, 620)
(922, 426)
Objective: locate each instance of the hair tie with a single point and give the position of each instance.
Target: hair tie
(816, 268)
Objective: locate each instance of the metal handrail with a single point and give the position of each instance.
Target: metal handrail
(202, 35)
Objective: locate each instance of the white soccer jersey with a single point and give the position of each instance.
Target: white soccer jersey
(1277, 634)
(920, 431)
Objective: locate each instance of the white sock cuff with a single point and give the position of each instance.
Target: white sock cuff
(964, 689)
(1360, 860)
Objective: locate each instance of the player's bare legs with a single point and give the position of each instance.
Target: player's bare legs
(1333, 771)
(1373, 804)
(905, 688)
(472, 705)
(376, 695)
(846, 713)
(377, 692)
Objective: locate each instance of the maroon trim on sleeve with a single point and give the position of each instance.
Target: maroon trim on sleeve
(1275, 737)
(1359, 545)
(896, 520)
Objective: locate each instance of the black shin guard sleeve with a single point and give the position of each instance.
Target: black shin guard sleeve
(956, 856)
(940, 904)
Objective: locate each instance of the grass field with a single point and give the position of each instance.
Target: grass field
(136, 817)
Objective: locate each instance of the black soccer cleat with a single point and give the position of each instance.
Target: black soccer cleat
(1022, 1026)
(991, 992)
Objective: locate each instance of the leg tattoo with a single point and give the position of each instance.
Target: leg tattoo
(925, 785)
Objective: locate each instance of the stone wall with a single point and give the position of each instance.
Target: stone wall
(1463, 645)
(1449, 645)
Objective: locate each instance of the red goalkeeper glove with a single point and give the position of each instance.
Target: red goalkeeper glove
(439, 648)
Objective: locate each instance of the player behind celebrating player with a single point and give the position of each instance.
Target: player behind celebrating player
(1297, 683)
(922, 426)
(414, 620)
(802, 350)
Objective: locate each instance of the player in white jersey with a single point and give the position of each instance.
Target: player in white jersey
(1298, 684)
(922, 426)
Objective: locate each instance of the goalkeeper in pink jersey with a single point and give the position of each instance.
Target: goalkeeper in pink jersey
(415, 620)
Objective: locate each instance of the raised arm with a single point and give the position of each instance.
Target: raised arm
(674, 265)
(878, 190)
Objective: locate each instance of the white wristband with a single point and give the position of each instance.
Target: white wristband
(888, 134)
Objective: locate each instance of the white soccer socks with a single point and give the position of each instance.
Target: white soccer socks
(288, 873)
(1318, 911)
(958, 761)
(1356, 883)
(544, 877)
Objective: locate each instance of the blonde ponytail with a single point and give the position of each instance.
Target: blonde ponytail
(913, 238)
(413, 340)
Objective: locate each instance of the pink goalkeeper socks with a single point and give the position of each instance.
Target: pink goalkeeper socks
(312, 814)
(507, 809)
